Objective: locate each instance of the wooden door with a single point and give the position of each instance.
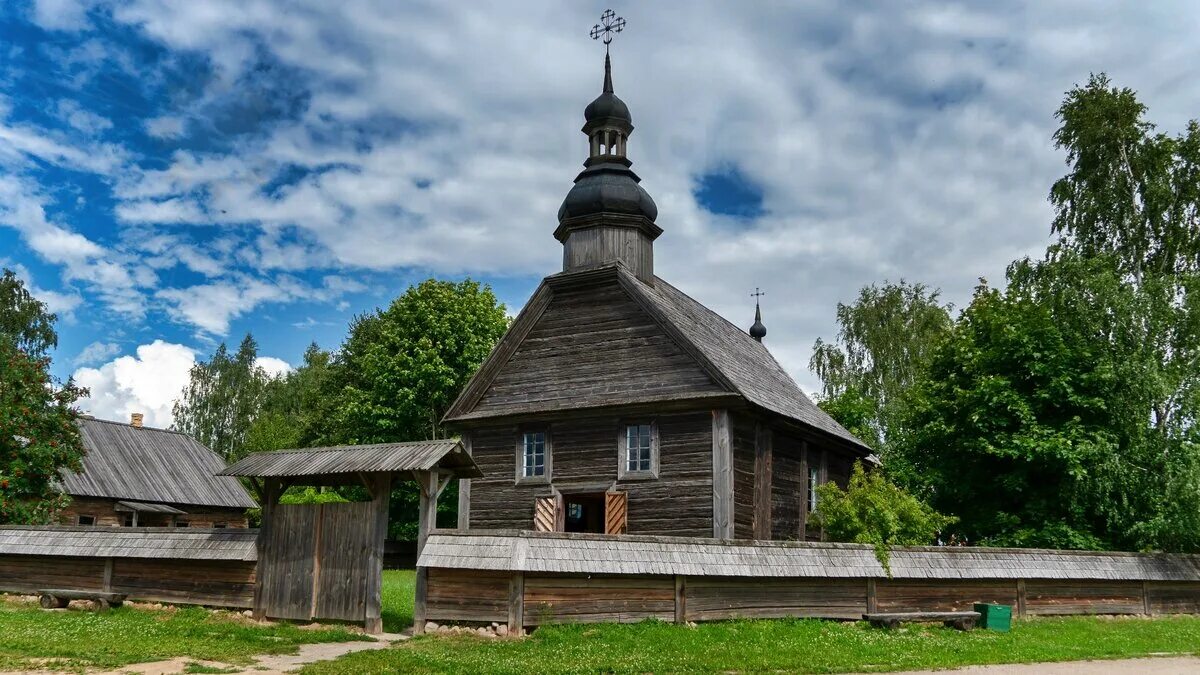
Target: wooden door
(286, 563)
(343, 546)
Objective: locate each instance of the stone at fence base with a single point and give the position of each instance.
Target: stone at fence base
(431, 627)
(502, 630)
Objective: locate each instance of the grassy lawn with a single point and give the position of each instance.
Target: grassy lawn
(398, 599)
(74, 640)
(806, 646)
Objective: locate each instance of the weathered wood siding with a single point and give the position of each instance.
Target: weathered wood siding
(743, 477)
(467, 595)
(716, 598)
(1171, 597)
(941, 595)
(596, 245)
(1083, 597)
(594, 346)
(589, 599)
(218, 583)
(585, 452)
(787, 488)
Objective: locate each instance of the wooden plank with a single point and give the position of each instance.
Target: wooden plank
(930, 595)
(316, 577)
(108, 573)
(719, 598)
(1083, 596)
(722, 467)
(1146, 609)
(763, 470)
(1020, 597)
(341, 577)
(545, 516)
(872, 604)
(804, 490)
(516, 604)
(587, 599)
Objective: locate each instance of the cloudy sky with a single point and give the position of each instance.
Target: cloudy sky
(175, 174)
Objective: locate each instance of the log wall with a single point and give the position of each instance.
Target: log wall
(217, 583)
(106, 515)
(477, 596)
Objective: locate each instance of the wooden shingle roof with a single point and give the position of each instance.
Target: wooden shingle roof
(445, 454)
(605, 338)
(150, 465)
(130, 542)
(558, 552)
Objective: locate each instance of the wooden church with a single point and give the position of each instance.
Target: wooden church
(617, 404)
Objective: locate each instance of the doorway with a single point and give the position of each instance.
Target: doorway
(584, 512)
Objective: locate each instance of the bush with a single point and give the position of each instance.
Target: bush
(873, 510)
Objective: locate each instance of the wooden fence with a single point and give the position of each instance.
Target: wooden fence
(529, 579)
(175, 565)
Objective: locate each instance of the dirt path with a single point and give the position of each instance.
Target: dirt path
(267, 664)
(1165, 665)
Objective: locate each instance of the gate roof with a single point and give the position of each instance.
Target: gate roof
(342, 462)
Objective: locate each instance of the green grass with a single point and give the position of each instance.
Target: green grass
(805, 646)
(74, 640)
(398, 599)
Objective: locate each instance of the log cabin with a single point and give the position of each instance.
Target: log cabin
(138, 476)
(616, 403)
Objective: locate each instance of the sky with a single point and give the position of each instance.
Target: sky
(177, 174)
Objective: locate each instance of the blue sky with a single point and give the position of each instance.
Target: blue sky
(173, 175)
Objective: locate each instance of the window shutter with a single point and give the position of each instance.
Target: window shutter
(545, 514)
(615, 512)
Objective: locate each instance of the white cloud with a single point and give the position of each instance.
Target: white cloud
(96, 352)
(85, 121)
(273, 366)
(175, 210)
(165, 127)
(148, 383)
(67, 15)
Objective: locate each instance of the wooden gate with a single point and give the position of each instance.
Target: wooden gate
(316, 561)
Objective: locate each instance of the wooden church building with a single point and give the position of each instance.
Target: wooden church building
(618, 404)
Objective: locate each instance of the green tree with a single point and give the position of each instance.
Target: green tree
(873, 510)
(222, 399)
(24, 320)
(401, 368)
(885, 339)
(39, 436)
(297, 408)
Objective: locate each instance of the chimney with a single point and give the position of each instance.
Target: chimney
(135, 420)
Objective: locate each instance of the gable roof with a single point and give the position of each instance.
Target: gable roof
(445, 454)
(150, 465)
(736, 363)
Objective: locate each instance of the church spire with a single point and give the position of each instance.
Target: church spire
(607, 217)
(758, 331)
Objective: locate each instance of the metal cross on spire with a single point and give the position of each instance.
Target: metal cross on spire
(610, 24)
(757, 294)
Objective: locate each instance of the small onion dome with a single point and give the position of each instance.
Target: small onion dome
(758, 331)
(607, 187)
(607, 108)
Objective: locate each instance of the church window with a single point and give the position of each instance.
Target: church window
(533, 455)
(638, 450)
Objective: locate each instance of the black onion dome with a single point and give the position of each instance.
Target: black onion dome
(607, 107)
(758, 331)
(607, 187)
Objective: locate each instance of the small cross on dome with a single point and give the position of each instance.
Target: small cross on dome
(610, 24)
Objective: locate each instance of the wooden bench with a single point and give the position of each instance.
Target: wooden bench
(959, 620)
(57, 598)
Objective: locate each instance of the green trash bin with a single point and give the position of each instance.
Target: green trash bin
(994, 617)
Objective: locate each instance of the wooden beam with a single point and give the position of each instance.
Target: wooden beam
(680, 599)
(108, 574)
(1021, 598)
(722, 468)
(763, 461)
(1146, 608)
(803, 490)
(516, 604)
(464, 490)
(316, 554)
(872, 604)
(270, 494)
(373, 610)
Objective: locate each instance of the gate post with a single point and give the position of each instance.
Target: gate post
(427, 484)
(268, 497)
(381, 491)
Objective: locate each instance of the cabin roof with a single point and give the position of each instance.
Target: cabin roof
(143, 464)
(130, 542)
(561, 552)
(445, 454)
(737, 363)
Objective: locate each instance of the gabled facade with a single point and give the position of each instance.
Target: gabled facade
(616, 403)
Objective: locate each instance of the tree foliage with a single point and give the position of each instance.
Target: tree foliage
(873, 510)
(885, 339)
(222, 399)
(38, 432)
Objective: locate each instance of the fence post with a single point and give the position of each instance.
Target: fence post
(680, 599)
(516, 603)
